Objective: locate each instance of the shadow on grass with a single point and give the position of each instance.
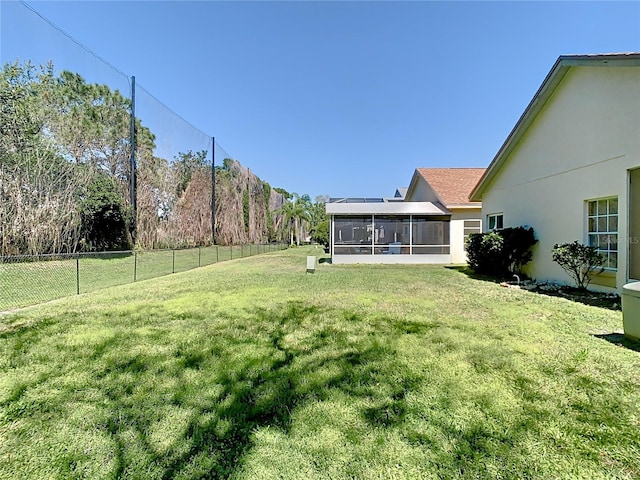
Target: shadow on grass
(620, 340)
(298, 357)
(464, 269)
(589, 298)
(261, 394)
(592, 299)
(173, 404)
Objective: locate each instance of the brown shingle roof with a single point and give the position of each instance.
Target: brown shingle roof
(453, 185)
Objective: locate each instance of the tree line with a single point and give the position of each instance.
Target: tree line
(65, 178)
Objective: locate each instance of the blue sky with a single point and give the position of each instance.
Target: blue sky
(329, 98)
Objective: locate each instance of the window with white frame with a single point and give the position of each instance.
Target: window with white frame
(495, 221)
(602, 226)
(471, 226)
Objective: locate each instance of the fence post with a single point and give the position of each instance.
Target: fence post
(135, 265)
(213, 190)
(217, 255)
(133, 183)
(78, 275)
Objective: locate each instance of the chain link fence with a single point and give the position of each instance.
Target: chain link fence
(92, 162)
(31, 279)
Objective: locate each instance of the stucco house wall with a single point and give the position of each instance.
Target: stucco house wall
(420, 191)
(458, 217)
(580, 146)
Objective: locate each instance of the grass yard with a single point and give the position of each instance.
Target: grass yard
(29, 283)
(253, 369)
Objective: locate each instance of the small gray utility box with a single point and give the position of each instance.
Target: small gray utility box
(311, 263)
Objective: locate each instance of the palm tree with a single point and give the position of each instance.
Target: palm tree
(296, 212)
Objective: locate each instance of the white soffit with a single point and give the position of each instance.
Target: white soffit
(386, 208)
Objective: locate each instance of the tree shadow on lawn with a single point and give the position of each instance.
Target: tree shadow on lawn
(259, 390)
(620, 340)
(243, 374)
(590, 298)
(464, 269)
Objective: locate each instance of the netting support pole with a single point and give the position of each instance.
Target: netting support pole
(213, 190)
(132, 162)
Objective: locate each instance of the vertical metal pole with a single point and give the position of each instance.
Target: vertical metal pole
(132, 162)
(411, 234)
(231, 250)
(331, 235)
(213, 190)
(217, 255)
(78, 275)
(199, 257)
(173, 261)
(135, 265)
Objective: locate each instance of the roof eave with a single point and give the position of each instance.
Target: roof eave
(464, 206)
(412, 184)
(552, 80)
(417, 176)
(391, 208)
(539, 100)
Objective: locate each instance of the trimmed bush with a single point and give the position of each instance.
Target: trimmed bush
(484, 253)
(580, 261)
(500, 253)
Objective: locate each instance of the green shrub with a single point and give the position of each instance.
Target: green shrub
(321, 233)
(104, 217)
(484, 252)
(517, 243)
(580, 261)
(500, 253)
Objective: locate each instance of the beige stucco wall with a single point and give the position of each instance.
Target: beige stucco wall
(580, 147)
(422, 192)
(458, 216)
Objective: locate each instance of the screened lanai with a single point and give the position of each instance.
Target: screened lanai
(389, 232)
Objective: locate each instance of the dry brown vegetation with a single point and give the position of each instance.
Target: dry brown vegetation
(65, 176)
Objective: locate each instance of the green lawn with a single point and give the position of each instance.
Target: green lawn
(29, 283)
(253, 369)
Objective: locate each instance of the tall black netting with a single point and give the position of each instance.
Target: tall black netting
(174, 164)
